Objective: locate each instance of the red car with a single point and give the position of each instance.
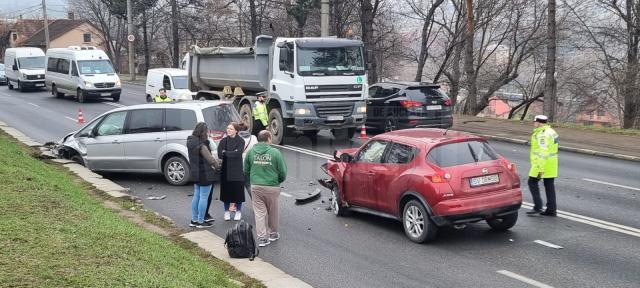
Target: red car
(426, 178)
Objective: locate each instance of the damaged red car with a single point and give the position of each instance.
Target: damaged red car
(425, 178)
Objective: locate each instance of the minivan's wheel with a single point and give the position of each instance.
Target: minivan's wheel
(78, 159)
(417, 225)
(176, 171)
(277, 126)
(80, 96)
(336, 202)
(54, 91)
(9, 85)
(503, 223)
(149, 99)
(246, 116)
(390, 124)
(20, 87)
(116, 97)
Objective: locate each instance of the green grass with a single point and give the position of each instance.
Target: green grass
(55, 234)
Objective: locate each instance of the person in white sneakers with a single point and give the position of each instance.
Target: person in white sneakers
(267, 169)
(232, 176)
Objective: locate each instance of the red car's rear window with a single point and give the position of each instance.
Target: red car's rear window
(460, 153)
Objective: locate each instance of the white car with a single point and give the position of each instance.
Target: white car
(81, 71)
(173, 80)
(24, 67)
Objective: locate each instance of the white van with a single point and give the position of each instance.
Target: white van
(24, 67)
(171, 79)
(81, 71)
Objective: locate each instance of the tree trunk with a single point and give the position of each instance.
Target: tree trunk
(366, 20)
(300, 31)
(550, 79)
(174, 31)
(253, 16)
(471, 102)
(145, 40)
(424, 43)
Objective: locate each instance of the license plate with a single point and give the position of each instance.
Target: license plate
(434, 107)
(105, 94)
(484, 180)
(335, 118)
(40, 85)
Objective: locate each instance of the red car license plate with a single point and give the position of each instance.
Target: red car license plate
(484, 180)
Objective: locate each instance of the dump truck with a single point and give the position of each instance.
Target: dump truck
(311, 84)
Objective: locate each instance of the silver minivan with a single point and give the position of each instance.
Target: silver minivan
(146, 138)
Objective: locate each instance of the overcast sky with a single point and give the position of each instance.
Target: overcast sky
(30, 8)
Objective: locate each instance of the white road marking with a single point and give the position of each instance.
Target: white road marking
(286, 194)
(113, 104)
(523, 279)
(611, 184)
(33, 104)
(69, 118)
(545, 243)
(305, 151)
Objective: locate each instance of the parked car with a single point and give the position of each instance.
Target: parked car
(173, 80)
(81, 71)
(147, 138)
(398, 105)
(3, 76)
(426, 178)
(24, 68)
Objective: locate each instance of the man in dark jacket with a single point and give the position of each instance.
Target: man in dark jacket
(266, 169)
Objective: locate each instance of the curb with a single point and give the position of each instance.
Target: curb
(566, 148)
(258, 269)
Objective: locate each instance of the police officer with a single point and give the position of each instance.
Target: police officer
(162, 97)
(260, 115)
(544, 165)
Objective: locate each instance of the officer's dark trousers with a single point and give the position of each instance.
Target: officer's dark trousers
(550, 190)
(257, 127)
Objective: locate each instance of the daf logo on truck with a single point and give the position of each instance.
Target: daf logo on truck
(309, 82)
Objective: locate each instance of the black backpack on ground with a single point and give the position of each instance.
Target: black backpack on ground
(240, 242)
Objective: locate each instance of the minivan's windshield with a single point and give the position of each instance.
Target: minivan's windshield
(95, 67)
(36, 62)
(330, 61)
(179, 82)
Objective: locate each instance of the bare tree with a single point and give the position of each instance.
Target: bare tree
(368, 11)
(418, 9)
(550, 80)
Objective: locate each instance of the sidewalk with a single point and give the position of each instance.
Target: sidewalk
(574, 140)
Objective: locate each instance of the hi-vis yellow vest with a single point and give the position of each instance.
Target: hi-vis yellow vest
(260, 113)
(544, 152)
(159, 99)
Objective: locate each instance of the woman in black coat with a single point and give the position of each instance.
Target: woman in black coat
(232, 177)
(203, 173)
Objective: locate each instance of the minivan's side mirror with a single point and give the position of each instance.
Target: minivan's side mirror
(15, 67)
(346, 158)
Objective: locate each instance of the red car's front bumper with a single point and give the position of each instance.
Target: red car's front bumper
(477, 207)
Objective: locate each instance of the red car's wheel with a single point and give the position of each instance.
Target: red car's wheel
(503, 223)
(417, 225)
(336, 202)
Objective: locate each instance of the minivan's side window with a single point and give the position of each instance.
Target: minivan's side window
(180, 119)
(166, 82)
(372, 153)
(74, 69)
(52, 64)
(145, 121)
(400, 154)
(113, 124)
(63, 66)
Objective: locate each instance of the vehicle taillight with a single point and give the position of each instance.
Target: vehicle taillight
(508, 165)
(216, 134)
(410, 104)
(448, 102)
(440, 177)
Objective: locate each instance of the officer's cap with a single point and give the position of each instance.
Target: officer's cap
(541, 119)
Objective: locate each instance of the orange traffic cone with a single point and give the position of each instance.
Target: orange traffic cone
(363, 132)
(80, 116)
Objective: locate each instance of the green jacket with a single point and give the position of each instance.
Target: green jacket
(544, 152)
(260, 113)
(265, 165)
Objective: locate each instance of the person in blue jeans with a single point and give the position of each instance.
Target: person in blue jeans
(204, 172)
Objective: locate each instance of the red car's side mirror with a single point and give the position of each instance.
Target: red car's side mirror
(346, 158)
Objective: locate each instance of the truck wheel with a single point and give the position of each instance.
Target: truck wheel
(80, 96)
(246, 116)
(277, 126)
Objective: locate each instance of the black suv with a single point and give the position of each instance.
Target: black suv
(398, 105)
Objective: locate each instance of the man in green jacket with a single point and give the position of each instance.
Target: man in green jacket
(544, 165)
(266, 169)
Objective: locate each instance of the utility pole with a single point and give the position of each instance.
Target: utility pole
(324, 18)
(174, 34)
(131, 38)
(46, 24)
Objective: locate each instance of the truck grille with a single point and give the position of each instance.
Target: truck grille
(333, 96)
(334, 109)
(104, 85)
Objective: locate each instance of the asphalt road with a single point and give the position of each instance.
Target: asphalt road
(367, 251)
